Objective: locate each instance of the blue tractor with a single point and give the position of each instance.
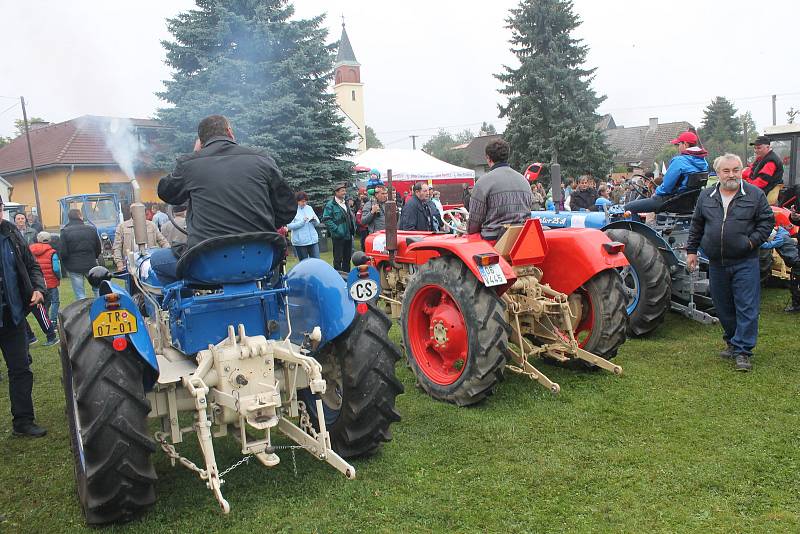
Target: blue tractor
(101, 210)
(236, 346)
(656, 279)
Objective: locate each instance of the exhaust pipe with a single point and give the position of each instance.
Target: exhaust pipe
(390, 212)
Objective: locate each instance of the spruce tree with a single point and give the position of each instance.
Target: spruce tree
(270, 75)
(551, 105)
(721, 130)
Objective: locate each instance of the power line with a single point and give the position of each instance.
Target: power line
(432, 128)
(698, 103)
(9, 97)
(15, 104)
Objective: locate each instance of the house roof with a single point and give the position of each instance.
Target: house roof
(345, 56)
(642, 143)
(476, 149)
(80, 141)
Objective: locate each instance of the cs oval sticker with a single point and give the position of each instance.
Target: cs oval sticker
(364, 290)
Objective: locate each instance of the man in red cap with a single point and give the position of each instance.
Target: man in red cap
(691, 160)
(766, 172)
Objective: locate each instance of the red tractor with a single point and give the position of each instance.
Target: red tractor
(468, 306)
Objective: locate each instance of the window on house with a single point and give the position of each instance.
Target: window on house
(353, 93)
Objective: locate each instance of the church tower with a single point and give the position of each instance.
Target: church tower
(350, 91)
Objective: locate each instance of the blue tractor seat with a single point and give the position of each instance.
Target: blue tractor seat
(232, 259)
(233, 266)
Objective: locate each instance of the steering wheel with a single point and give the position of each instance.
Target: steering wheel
(456, 220)
(171, 218)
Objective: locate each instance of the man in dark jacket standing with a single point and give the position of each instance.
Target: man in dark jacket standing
(416, 214)
(731, 220)
(22, 287)
(229, 189)
(341, 224)
(372, 212)
(501, 197)
(79, 249)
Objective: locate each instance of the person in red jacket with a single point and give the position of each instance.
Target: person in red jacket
(47, 258)
(766, 172)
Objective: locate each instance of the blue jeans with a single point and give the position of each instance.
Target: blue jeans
(307, 251)
(736, 292)
(76, 279)
(646, 205)
(164, 263)
(52, 302)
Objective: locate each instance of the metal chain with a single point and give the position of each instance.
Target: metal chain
(244, 460)
(305, 420)
(170, 451)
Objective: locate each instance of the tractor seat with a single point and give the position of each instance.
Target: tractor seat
(683, 203)
(232, 259)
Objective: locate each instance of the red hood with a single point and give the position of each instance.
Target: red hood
(40, 248)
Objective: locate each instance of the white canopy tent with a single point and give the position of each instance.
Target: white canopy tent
(411, 165)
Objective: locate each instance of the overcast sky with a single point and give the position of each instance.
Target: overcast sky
(425, 64)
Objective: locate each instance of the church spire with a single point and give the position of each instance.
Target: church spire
(346, 56)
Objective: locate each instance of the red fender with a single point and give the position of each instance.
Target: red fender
(418, 247)
(575, 255)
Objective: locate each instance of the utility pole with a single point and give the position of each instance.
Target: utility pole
(744, 127)
(774, 121)
(30, 155)
(413, 141)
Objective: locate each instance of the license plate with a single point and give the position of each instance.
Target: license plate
(492, 275)
(114, 323)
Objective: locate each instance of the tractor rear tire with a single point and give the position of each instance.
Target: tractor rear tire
(359, 401)
(460, 357)
(650, 280)
(106, 413)
(604, 327)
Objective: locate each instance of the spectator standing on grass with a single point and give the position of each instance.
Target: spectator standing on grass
(159, 217)
(80, 247)
(22, 287)
(341, 224)
(47, 258)
(731, 221)
(171, 233)
(373, 213)
(584, 197)
(33, 222)
(305, 238)
(28, 233)
(416, 214)
(124, 241)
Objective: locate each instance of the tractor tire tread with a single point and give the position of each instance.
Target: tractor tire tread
(117, 482)
(654, 281)
(367, 359)
(606, 289)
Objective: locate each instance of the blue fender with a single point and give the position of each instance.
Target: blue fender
(660, 243)
(140, 339)
(318, 297)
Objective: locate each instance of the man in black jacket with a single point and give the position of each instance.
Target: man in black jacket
(416, 214)
(22, 288)
(731, 220)
(584, 196)
(229, 189)
(79, 249)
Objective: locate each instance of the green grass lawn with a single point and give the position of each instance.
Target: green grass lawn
(679, 443)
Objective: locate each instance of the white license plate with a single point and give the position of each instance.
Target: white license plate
(492, 275)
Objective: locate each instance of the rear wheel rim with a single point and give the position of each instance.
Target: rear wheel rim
(438, 336)
(583, 332)
(632, 287)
